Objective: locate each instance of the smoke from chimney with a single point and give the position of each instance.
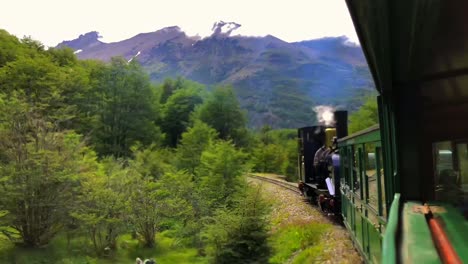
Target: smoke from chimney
(325, 115)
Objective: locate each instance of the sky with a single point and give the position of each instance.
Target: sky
(52, 21)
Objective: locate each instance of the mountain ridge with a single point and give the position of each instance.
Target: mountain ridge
(277, 82)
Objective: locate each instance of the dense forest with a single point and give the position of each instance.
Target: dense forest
(92, 152)
(98, 164)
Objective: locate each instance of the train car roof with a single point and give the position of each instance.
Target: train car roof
(412, 43)
(360, 133)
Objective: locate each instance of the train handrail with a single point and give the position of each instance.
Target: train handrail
(389, 255)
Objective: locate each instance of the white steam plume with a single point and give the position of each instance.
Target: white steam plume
(325, 115)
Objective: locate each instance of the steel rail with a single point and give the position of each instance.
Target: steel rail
(276, 182)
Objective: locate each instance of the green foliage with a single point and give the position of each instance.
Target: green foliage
(219, 174)
(125, 107)
(309, 255)
(276, 152)
(270, 158)
(145, 210)
(40, 83)
(288, 240)
(365, 117)
(57, 193)
(194, 141)
(239, 234)
(152, 162)
(222, 112)
(10, 47)
(101, 208)
(63, 57)
(168, 87)
(167, 251)
(39, 168)
(175, 192)
(177, 111)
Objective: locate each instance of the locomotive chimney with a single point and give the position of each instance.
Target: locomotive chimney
(341, 123)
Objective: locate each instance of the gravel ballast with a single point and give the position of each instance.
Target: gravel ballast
(289, 208)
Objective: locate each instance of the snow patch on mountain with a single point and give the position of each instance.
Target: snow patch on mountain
(136, 55)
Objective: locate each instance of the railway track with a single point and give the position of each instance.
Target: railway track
(334, 219)
(283, 184)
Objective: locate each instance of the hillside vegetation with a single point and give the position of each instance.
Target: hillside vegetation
(277, 82)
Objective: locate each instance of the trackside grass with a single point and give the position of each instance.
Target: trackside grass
(167, 251)
(300, 242)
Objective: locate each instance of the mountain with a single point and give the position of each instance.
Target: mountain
(277, 82)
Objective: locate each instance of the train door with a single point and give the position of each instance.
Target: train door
(347, 208)
(374, 217)
(359, 198)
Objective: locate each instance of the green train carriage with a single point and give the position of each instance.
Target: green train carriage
(418, 56)
(362, 190)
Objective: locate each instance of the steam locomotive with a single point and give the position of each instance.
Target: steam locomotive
(319, 163)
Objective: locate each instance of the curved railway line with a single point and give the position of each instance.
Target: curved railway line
(334, 219)
(290, 186)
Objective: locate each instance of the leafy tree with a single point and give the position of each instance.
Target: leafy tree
(152, 162)
(222, 112)
(287, 138)
(63, 56)
(168, 87)
(276, 152)
(39, 170)
(102, 204)
(219, 175)
(194, 141)
(40, 83)
(81, 92)
(365, 117)
(145, 210)
(177, 111)
(10, 47)
(33, 44)
(265, 136)
(270, 158)
(126, 113)
(176, 196)
(154, 203)
(239, 234)
(290, 168)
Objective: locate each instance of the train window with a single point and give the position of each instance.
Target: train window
(451, 173)
(380, 174)
(356, 174)
(344, 165)
(348, 167)
(445, 175)
(370, 176)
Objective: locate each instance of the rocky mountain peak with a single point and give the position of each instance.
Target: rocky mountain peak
(224, 29)
(171, 29)
(86, 40)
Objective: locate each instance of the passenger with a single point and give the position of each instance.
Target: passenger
(319, 155)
